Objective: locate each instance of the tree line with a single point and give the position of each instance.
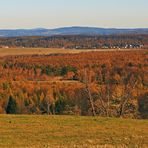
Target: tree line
(78, 42)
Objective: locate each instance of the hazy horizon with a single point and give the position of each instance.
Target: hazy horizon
(71, 27)
(30, 14)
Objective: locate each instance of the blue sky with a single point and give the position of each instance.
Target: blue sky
(60, 13)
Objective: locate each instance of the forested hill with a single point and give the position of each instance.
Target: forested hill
(78, 41)
(70, 31)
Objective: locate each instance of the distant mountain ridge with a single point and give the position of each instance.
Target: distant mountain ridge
(70, 31)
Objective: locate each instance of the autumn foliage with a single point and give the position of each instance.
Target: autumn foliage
(55, 84)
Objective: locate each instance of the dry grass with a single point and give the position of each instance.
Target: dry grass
(46, 51)
(40, 51)
(71, 131)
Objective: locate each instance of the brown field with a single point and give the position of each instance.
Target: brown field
(39, 51)
(46, 51)
(71, 132)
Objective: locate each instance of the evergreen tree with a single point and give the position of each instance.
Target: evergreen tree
(12, 107)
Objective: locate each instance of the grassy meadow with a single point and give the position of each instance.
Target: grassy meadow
(71, 131)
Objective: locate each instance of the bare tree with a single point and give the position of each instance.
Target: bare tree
(50, 100)
(129, 84)
(104, 97)
(87, 88)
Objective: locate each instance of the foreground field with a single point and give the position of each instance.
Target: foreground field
(71, 131)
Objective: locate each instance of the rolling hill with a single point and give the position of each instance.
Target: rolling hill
(70, 31)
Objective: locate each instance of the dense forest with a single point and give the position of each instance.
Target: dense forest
(112, 84)
(78, 42)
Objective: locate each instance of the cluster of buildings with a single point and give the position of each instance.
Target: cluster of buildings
(126, 46)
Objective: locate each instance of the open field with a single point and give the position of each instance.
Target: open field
(46, 51)
(40, 51)
(71, 131)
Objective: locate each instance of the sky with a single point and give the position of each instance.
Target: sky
(18, 14)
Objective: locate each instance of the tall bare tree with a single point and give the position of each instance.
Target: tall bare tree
(87, 88)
